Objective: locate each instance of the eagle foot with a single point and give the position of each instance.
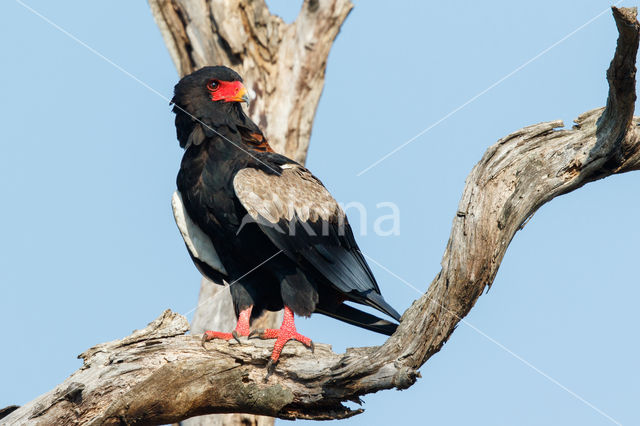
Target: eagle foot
(286, 332)
(242, 329)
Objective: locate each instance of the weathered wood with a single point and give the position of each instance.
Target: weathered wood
(159, 375)
(282, 64)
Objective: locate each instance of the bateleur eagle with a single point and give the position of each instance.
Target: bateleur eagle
(261, 222)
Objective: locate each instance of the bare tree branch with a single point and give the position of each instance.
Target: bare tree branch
(158, 375)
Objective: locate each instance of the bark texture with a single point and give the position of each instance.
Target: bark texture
(283, 65)
(159, 375)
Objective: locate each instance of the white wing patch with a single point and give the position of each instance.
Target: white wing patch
(199, 244)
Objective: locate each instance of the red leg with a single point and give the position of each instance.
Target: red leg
(242, 328)
(286, 332)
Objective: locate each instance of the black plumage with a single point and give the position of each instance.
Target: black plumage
(279, 236)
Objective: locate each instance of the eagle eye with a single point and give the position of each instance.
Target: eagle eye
(213, 85)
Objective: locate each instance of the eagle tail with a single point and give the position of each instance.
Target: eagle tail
(356, 317)
(375, 300)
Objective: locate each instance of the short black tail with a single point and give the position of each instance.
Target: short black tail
(355, 316)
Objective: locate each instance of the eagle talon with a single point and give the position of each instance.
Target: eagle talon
(236, 336)
(271, 367)
(256, 334)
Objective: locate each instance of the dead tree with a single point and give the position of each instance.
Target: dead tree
(283, 65)
(160, 375)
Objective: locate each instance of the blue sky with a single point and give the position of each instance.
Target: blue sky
(88, 160)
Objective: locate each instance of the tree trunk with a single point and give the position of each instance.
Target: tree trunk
(159, 375)
(283, 65)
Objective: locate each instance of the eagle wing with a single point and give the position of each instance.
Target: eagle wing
(197, 241)
(301, 218)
